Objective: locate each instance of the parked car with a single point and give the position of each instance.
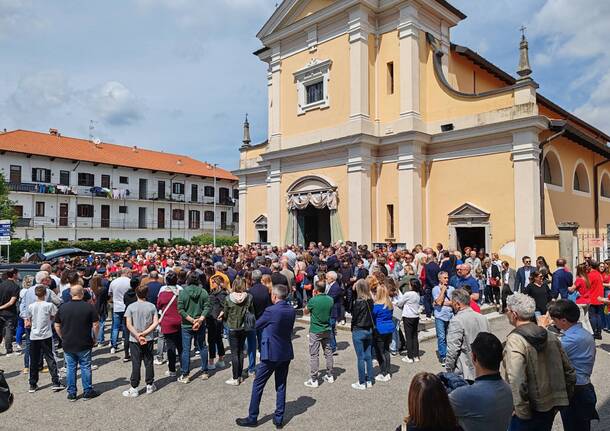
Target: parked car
(56, 254)
(23, 268)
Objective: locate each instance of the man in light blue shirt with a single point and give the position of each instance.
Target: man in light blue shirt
(441, 295)
(579, 345)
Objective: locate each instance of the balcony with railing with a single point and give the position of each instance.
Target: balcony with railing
(116, 194)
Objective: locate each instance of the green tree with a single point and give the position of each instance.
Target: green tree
(6, 205)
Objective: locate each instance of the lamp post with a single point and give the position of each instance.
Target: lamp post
(214, 208)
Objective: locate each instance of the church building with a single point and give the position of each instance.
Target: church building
(382, 129)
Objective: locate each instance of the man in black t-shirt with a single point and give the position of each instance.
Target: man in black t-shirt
(9, 293)
(77, 323)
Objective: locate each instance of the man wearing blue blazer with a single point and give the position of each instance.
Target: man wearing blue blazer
(277, 323)
(523, 274)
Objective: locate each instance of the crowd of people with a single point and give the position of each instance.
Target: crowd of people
(165, 304)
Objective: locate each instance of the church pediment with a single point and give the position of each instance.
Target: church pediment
(468, 212)
(291, 11)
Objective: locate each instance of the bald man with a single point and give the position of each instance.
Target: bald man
(77, 323)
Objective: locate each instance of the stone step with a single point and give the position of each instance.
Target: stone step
(425, 325)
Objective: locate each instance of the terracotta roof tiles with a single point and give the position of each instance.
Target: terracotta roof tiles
(56, 145)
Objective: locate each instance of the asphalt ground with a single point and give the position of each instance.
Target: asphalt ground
(213, 405)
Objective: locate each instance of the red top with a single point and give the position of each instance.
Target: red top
(583, 291)
(172, 319)
(475, 306)
(597, 287)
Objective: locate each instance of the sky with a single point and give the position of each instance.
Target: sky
(179, 75)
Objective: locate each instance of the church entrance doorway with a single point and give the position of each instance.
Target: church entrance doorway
(314, 225)
(473, 237)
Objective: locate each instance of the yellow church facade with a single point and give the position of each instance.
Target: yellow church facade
(381, 129)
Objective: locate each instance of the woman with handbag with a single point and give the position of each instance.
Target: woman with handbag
(236, 307)
(362, 334)
(170, 321)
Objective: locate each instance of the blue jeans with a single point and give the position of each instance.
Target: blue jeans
(333, 334)
(251, 341)
(20, 331)
(538, 422)
(395, 344)
(441, 337)
(100, 336)
(427, 301)
(187, 336)
(363, 345)
(82, 359)
(595, 317)
(117, 323)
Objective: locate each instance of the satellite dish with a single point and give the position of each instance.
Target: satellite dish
(97, 141)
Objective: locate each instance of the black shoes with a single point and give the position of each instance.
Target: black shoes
(278, 424)
(246, 422)
(72, 397)
(89, 395)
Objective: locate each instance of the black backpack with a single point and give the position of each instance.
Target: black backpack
(6, 397)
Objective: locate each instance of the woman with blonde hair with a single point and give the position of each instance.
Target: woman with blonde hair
(362, 334)
(383, 328)
(372, 281)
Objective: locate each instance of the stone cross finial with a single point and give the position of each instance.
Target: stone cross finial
(246, 141)
(524, 70)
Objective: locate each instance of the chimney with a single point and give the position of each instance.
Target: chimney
(53, 132)
(246, 141)
(524, 61)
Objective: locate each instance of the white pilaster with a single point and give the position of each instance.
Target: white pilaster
(408, 34)
(359, 194)
(312, 38)
(243, 196)
(410, 221)
(275, 126)
(525, 154)
(359, 29)
(274, 201)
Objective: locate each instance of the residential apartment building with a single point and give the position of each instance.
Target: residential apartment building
(74, 189)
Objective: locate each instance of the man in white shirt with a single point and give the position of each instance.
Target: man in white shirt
(117, 290)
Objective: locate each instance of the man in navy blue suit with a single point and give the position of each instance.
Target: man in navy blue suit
(561, 281)
(523, 274)
(277, 323)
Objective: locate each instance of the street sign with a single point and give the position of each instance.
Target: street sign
(5, 232)
(596, 242)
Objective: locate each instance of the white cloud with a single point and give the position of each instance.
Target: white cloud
(115, 104)
(18, 16)
(41, 92)
(577, 39)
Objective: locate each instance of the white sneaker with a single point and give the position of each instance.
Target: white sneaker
(184, 379)
(416, 359)
(131, 393)
(380, 378)
(170, 373)
(369, 385)
(150, 389)
(159, 362)
(232, 382)
(329, 378)
(407, 360)
(387, 378)
(112, 350)
(220, 364)
(311, 383)
(358, 386)
(94, 367)
(211, 366)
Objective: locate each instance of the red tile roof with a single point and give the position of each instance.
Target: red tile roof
(56, 145)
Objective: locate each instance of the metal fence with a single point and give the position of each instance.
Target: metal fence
(589, 243)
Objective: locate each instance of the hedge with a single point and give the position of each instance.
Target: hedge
(19, 246)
